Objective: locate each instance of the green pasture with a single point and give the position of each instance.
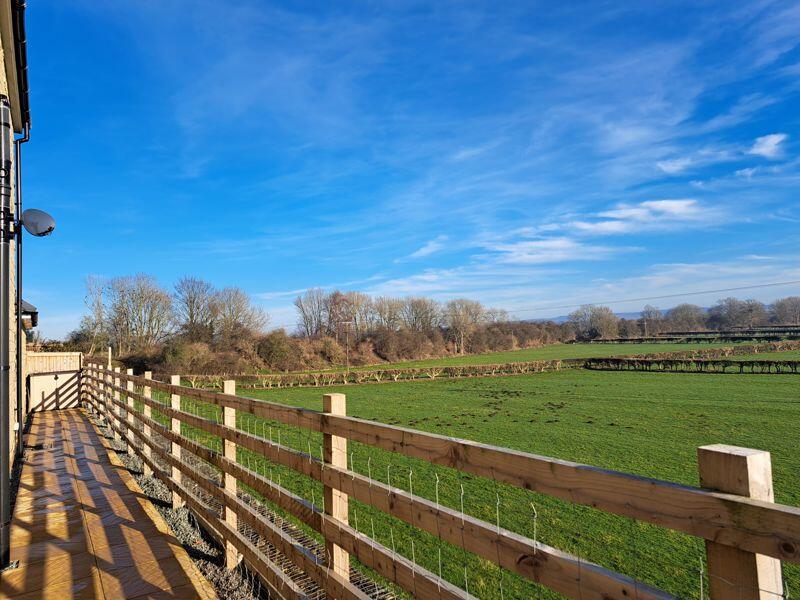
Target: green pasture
(788, 355)
(644, 423)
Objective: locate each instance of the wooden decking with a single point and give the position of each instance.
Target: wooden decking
(82, 527)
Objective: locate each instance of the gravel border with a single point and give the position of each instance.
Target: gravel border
(209, 557)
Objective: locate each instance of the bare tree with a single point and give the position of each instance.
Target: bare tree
(581, 320)
(421, 314)
(732, 312)
(462, 317)
(755, 313)
(336, 314)
(94, 324)
(786, 311)
(358, 308)
(310, 310)
(629, 328)
(652, 320)
(236, 316)
(388, 312)
(139, 314)
(595, 322)
(195, 308)
(686, 317)
(496, 315)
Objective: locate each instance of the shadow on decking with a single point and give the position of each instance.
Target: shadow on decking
(82, 529)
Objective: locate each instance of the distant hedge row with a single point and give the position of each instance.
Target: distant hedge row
(725, 351)
(289, 380)
(694, 365)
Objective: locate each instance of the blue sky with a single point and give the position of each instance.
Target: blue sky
(523, 154)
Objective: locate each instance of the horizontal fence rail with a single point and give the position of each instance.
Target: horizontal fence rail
(748, 525)
(718, 352)
(703, 338)
(687, 365)
(737, 330)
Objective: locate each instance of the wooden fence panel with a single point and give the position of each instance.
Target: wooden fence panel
(279, 584)
(381, 559)
(726, 517)
(753, 525)
(540, 563)
(46, 362)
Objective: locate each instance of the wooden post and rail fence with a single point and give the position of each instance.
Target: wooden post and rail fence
(747, 535)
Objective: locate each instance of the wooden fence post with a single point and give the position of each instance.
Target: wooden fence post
(175, 403)
(108, 410)
(147, 392)
(81, 395)
(334, 449)
(129, 402)
(99, 388)
(108, 413)
(115, 394)
(735, 574)
(229, 451)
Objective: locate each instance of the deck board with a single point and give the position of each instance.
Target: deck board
(82, 528)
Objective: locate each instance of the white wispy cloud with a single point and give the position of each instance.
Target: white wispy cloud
(701, 157)
(747, 173)
(552, 250)
(474, 151)
(769, 146)
(279, 294)
(674, 165)
(432, 247)
(681, 209)
(648, 215)
(487, 279)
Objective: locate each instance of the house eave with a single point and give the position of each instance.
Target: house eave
(12, 32)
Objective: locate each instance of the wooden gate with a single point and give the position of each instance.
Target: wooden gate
(52, 380)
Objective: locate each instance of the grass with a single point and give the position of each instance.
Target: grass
(788, 355)
(642, 423)
(549, 352)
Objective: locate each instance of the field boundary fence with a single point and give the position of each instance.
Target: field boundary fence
(357, 376)
(724, 351)
(747, 535)
(775, 329)
(707, 337)
(686, 365)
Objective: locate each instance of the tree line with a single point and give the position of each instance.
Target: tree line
(337, 314)
(134, 314)
(198, 328)
(600, 322)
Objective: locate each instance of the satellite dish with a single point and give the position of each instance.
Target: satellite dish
(37, 222)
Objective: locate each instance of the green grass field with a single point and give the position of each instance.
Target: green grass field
(789, 355)
(549, 352)
(642, 423)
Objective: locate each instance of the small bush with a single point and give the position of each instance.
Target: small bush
(280, 352)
